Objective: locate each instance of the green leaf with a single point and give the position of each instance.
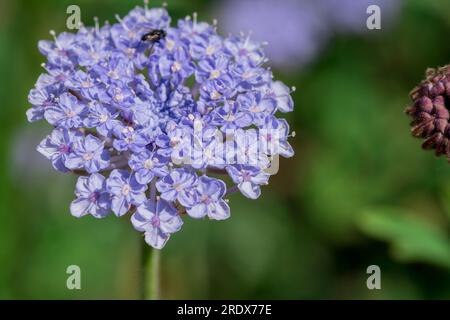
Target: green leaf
(412, 239)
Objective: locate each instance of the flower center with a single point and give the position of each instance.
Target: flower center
(103, 118)
(210, 50)
(215, 95)
(130, 52)
(93, 196)
(255, 109)
(148, 164)
(95, 56)
(174, 141)
(86, 84)
(127, 130)
(88, 156)
(230, 117)
(205, 199)
(61, 77)
(176, 66)
(126, 189)
(208, 153)
(214, 74)
(178, 187)
(113, 75)
(247, 75)
(243, 52)
(131, 34)
(155, 221)
(246, 176)
(118, 97)
(170, 44)
(64, 148)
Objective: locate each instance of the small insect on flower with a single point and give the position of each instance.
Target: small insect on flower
(154, 35)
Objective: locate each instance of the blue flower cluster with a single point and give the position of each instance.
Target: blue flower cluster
(127, 114)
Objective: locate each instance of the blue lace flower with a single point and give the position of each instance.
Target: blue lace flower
(210, 192)
(92, 197)
(58, 146)
(154, 127)
(157, 222)
(125, 191)
(67, 113)
(88, 154)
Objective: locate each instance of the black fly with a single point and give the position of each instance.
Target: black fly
(154, 36)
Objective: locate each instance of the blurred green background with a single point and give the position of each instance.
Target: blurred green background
(358, 192)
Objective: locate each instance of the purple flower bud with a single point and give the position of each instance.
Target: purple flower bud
(429, 111)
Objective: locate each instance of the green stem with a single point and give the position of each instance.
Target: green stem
(150, 273)
(151, 263)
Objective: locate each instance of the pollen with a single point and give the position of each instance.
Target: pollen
(176, 66)
(215, 74)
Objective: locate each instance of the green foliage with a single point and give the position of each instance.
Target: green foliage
(411, 238)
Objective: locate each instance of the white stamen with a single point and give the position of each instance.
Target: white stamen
(176, 66)
(210, 50)
(214, 74)
(88, 156)
(103, 118)
(170, 44)
(121, 22)
(194, 15)
(126, 189)
(148, 164)
(97, 26)
(247, 40)
(53, 34)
